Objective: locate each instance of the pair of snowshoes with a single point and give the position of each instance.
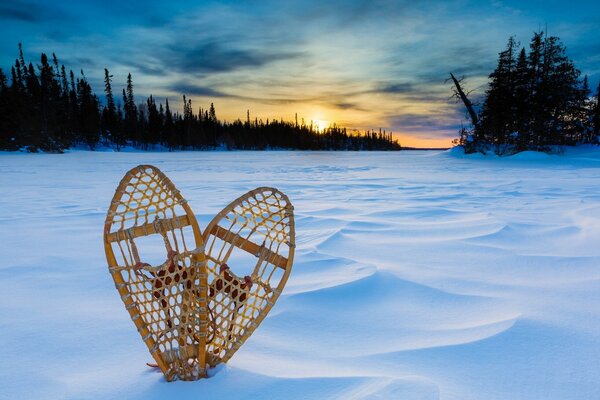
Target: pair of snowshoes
(206, 292)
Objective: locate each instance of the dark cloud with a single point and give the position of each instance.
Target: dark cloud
(192, 89)
(348, 106)
(207, 56)
(20, 11)
(431, 62)
(151, 68)
(417, 92)
(214, 55)
(325, 100)
(79, 62)
(395, 88)
(26, 11)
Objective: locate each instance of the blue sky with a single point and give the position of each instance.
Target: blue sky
(362, 64)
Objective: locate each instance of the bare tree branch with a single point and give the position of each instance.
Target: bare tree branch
(459, 93)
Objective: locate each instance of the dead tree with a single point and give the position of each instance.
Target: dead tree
(460, 94)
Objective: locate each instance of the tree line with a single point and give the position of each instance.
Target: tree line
(45, 108)
(535, 100)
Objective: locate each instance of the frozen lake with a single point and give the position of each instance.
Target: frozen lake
(418, 275)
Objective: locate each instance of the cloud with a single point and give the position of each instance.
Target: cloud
(21, 11)
(214, 56)
(395, 88)
(348, 106)
(26, 11)
(78, 62)
(427, 126)
(192, 89)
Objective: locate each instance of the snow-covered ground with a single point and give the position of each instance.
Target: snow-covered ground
(418, 275)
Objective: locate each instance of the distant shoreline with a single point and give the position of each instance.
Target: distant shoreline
(426, 148)
(161, 149)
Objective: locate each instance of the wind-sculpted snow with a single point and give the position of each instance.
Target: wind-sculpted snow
(418, 275)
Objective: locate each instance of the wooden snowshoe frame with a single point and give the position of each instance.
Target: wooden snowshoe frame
(261, 224)
(166, 302)
(193, 309)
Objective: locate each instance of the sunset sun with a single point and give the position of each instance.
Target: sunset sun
(320, 124)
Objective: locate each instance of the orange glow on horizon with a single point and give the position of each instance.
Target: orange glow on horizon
(412, 141)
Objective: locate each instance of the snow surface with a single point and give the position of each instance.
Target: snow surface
(418, 275)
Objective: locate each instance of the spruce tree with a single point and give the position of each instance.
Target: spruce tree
(109, 113)
(31, 126)
(154, 124)
(63, 77)
(63, 107)
(582, 127)
(169, 127)
(45, 82)
(5, 138)
(212, 114)
(497, 115)
(130, 109)
(3, 82)
(73, 107)
(596, 117)
(89, 118)
(561, 85)
(21, 61)
(522, 99)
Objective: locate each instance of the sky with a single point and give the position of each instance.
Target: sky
(362, 64)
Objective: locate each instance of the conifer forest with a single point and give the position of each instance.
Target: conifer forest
(44, 107)
(535, 100)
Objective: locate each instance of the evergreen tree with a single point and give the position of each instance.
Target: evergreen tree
(596, 117)
(169, 127)
(49, 101)
(154, 123)
(109, 113)
(89, 116)
(63, 107)
(212, 114)
(55, 63)
(497, 115)
(130, 111)
(21, 61)
(560, 85)
(521, 101)
(580, 118)
(73, 106)
(5, 135)
(31, 127)
(63, 78)
(534, 101)
(3, 82)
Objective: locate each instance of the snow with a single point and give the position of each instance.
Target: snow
(418, 275)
